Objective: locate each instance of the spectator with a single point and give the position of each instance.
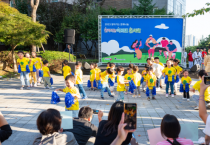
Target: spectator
(190, 59)
(197, 57)
(204, 53)
(5, 129)
(49, 125)
(170, 128)
(207, 63)
(107, 131)
(202, 111)
(68, 49)
(82, 127)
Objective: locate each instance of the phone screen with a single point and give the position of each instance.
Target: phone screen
(130, 115)
(95, 111)
(207, 80)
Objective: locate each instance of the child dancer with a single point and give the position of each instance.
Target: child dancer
(108, 65)
(137, 81)
(46, 75)
(144, 75)
(97, 71)
(79, 76)
(131, 66)
(178, 71)
(120, 83)
(104, 81)
(129, 77)
(38, 66)
(70, 82)
(150, 82)
(31, 74)
(196, 86)
(66, 69)
(170, 73)
(92, 75)
(112, 77)
(186, 80)
(24, 75)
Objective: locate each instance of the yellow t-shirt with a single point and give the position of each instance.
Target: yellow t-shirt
(161, 64)
(104, 77)
(186, 80)
(137, 79)
(128, 77)
(97, 71)
(74, 92)
(145, 75)
(23, 62)
(107, 67)
(66, 71)
(39, 62)
(92, 75)
(31, 64)
(151, 79)
(120, 87)
(112, 77)
(178, 69)
(170, 72)
(196, 86)
(79, 75)
(45, 71)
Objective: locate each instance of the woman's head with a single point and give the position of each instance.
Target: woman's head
(170, 127)
(49, 121)
(202, 73)
(114, 117)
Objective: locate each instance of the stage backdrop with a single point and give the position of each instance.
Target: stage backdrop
(125, 40)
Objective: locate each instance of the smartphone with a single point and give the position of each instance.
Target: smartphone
(207, 80)
(95, 111)
(130, 110)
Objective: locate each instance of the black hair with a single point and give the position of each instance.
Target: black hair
(156, 58)
(185, 71)
(112, 65)
(202, 73)
(120, 68)
(70, 77)
(176, 60)
(170, 128)
(148, 59)
(163, 38)
(135, 68)
(129, 69)
(49, 121)
(146, 65)
(85, 112)
(65, 62)
(110, 71)
(130, 65)
(170, 41)
(149, 69)
(39, 56)
(78, 63)
(190, 51)
(114, 118)
(45, 62)
(93, 64)
(20, 52)
(109, 63)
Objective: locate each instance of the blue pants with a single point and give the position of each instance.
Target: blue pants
(105, 86)
(81, 90)
(171, 86)
(24, 78)
(150, 93)
(120, 96)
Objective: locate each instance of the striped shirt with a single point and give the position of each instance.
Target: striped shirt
(182, 141)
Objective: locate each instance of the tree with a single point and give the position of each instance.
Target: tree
(198, 12)
(33, 16)
(18, 29)
(22, 6)
(145, 7)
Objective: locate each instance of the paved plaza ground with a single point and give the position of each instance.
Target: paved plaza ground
(22, 107)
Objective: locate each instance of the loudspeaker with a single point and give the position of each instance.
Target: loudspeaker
(69, 35)
(87, 65)
(72, 66)
(195, 68)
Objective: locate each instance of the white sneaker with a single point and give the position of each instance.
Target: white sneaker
(21, 88)
(158, 89)
(139, 96)
(113, 94)
(134, 96)
(172, 95)
(196, 108)
(38, 84)
(46, 87)
(188, 100)
(35, 85)
(183, 98)
(166, 95)
(31, 85)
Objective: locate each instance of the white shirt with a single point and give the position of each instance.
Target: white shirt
(157, 69)
(207, 127)
(185, 55)
(196, 55)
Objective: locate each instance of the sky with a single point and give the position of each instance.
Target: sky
(198, 25)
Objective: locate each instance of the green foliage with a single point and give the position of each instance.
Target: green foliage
(198, 12)
(18, 29)
(21, 6)
(145, 7)
(192, 48)
(56, 55)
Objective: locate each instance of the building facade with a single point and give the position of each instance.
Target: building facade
(191, 40)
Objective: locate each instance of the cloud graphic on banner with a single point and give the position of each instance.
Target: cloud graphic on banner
(112, 47)
(162, 26)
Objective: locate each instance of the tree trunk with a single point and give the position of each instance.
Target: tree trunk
(14, 60)
(33, 16)
(43, 48)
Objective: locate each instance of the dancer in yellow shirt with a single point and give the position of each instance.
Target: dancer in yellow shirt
(92, 75)
(120, 83)
(128, 77)
(150, 82)
(186, 80)
(137, 81)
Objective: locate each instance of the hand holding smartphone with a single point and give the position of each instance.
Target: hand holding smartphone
(207, 80)
(130, 111)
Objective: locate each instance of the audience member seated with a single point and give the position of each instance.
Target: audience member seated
(5, 129)
(170, 129)
(202, 111)
(82, 127)
(49, 125)
(107, 131)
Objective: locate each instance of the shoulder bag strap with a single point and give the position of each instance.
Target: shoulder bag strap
(169, 141)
